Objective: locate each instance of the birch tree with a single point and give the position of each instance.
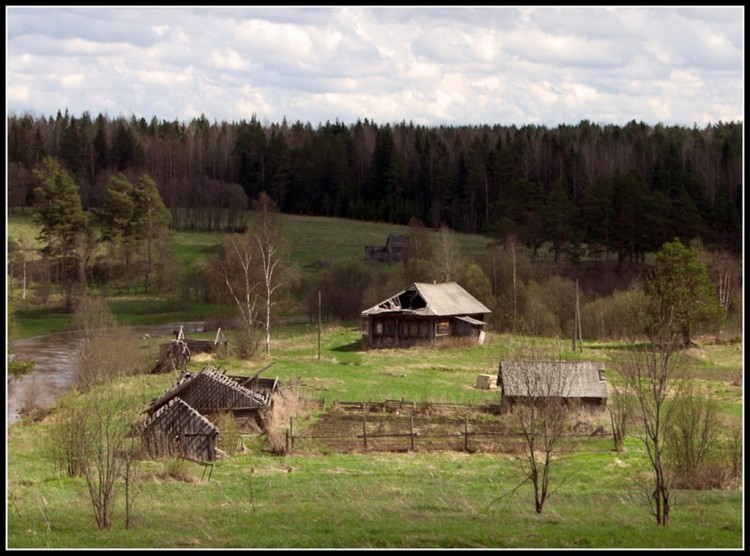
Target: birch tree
(270, 247)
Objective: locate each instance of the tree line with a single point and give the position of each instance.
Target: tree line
(615, 189)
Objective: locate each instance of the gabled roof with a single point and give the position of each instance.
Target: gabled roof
(422, 298)
(211, 390)
(190, 418)
(567, 379)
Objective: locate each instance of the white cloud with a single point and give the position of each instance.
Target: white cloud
(429, 65)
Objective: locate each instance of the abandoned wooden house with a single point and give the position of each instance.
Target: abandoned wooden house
(396, 249)
(535, 381)
(177, 353)
(176, 429)
(216, 346)
(425, 313)
(211, 392)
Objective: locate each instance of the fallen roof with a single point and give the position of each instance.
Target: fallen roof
(422, 298)
(211, 390)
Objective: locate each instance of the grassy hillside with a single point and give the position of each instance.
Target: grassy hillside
(417, 499)
(372, 499)
(312, 243)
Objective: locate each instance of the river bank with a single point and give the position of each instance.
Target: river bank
(54, 357)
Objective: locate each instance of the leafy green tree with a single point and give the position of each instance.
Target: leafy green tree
(152, 219)
(680, 288)
(60, 214)
(134, 214)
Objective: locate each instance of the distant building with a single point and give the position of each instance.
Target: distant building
(396, 249)
(580, 381)
(425, 313)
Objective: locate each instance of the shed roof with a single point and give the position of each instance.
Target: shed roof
(422, 298)
(191, 419)
(211, 390)
(567, 379)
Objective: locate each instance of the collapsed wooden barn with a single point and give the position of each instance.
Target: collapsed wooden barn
(425, 313)
(176, 429)
(396, 249)
(536, 381)
(177, 353)
(207, 394)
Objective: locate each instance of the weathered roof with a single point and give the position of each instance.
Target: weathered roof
(422, 298)
(397, 240)
(198, 423)
(211, 390)
(567, 379)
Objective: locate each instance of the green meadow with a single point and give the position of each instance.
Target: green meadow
(416, 499)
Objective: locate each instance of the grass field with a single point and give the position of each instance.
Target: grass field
(370, 500)
(417, 499)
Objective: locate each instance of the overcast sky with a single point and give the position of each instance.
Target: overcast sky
(431, 66)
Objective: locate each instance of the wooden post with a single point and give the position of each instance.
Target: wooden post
(291, 430)
(466, 433)
(287, 441)
(364, 429)
(319, 318)
(578, 317)
(577, 335)
(411, 431)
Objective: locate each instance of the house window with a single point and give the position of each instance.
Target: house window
(602, 378)
(443, 328)
(404, 330)
(414, 330)
(390, 329)
(378, 328)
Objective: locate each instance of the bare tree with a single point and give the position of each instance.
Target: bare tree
(694, 436)
(542, 412)
(620, 408)
(651, 373)
(238, 267)
(107, 422)
(270, 242)
(446, 256)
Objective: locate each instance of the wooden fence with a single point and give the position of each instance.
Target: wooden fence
(397, 433)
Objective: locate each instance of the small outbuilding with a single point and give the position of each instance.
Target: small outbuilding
(212, 392)
(581, 381)
(396, 249)
(176, 429)
(425, 313)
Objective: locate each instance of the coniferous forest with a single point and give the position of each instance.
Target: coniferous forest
(624, 189)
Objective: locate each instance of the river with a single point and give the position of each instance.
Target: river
(54, 357)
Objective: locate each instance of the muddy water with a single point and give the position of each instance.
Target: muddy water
(54, 357)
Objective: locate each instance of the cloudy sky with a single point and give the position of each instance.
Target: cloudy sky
(431, 66)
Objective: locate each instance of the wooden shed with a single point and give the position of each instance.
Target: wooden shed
(396, 249)
(581, 381)
(176, 429)
(217, 346)
(211, 392)
(425, 313)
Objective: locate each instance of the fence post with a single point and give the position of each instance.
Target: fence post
(466, 433)
(364, 429)
(291, 430)
(287, 441)
(411, 431)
